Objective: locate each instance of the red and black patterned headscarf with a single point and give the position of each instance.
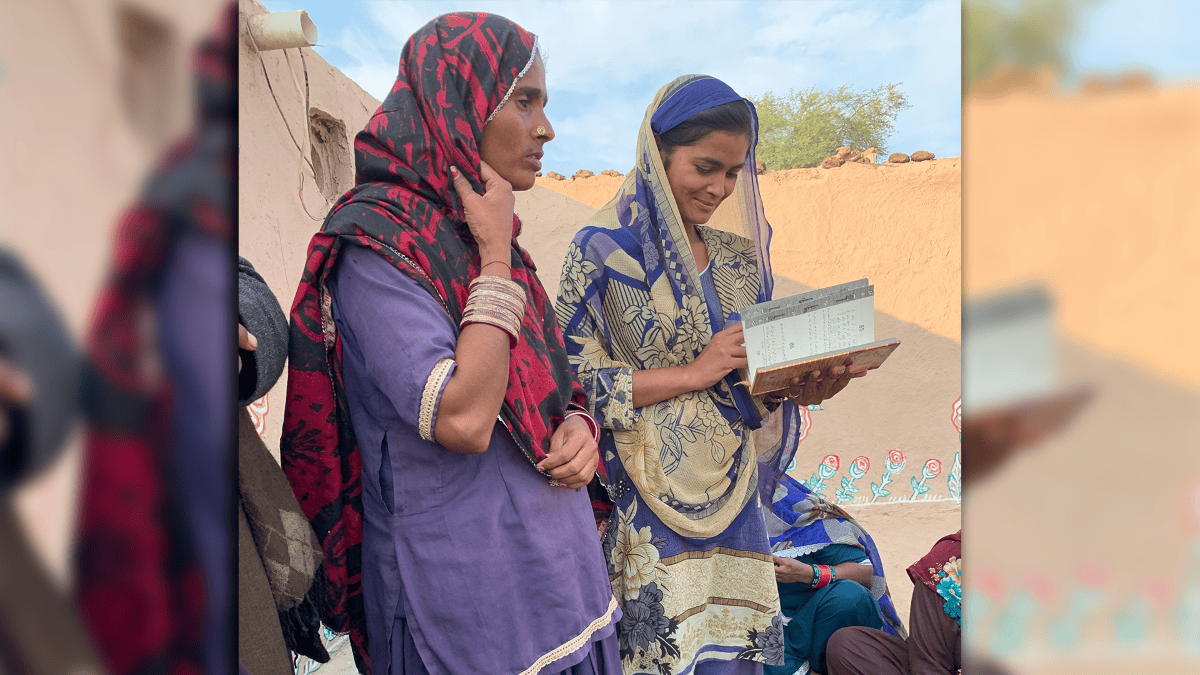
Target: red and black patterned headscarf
(454, 72)
(140, 587)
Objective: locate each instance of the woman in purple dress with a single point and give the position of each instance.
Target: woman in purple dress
(434, 432)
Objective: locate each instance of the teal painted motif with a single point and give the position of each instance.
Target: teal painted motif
(931, 470)
(846, 491)
(826, 470)
(895, 463)
(954, 480)
(858, 469)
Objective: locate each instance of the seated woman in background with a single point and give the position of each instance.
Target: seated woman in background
(830, 577)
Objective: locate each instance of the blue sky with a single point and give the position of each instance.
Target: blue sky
(1116, 36)
(1158, 36)
(606, 60)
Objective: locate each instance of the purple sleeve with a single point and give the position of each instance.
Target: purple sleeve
(402, 333)
(193, 306)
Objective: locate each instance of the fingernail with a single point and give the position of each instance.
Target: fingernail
(454, 170)
(253, 341)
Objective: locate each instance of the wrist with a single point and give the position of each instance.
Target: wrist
(589, 422)
(689, 376)
(495, 268)
(494, 252)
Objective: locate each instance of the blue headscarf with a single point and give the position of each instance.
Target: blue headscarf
(697, 95)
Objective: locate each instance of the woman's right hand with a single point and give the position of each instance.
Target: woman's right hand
(490, 215)
(792, 571)
(722, 354)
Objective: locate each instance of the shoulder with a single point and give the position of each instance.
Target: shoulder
(594, 234)
(596, 242)
(362, 275)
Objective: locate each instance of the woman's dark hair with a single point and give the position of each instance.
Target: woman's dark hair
(733, 117)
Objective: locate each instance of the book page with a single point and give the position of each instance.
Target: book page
(774, 309)
(1008, 348)
(828, 323)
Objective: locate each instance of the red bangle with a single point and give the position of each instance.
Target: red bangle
(826, 576)
(591, 422)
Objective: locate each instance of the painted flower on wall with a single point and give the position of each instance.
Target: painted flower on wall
(859, 467)
(826, 470)
(932, 469)
(258, 414)
(893, 465)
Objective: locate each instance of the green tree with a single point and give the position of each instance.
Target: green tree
(803, 127)
(1035, 34)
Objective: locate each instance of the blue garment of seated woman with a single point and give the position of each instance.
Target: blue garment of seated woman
(817, 614)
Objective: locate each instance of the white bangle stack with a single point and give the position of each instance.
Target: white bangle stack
(497, 302)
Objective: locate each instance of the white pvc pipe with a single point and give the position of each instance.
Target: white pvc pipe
(283, 30)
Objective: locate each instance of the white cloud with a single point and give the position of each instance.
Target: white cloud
(612, 44)
(606, 60)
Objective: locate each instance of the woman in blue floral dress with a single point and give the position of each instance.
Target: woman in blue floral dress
(648, 304)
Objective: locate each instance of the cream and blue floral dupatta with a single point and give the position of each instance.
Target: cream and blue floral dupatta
(687, 545)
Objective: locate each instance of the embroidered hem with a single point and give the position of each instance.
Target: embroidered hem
(574, 643)
(621, 414)
(431, 395)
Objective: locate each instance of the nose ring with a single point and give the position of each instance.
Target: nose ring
(541, 131)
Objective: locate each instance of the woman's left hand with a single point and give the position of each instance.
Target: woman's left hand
(815, 389)
(573, 456)
(792, 571)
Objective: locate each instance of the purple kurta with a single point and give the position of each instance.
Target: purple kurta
(474, 560)
(193, 307)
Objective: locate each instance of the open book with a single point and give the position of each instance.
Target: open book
(1010, 364)
(791, 337)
